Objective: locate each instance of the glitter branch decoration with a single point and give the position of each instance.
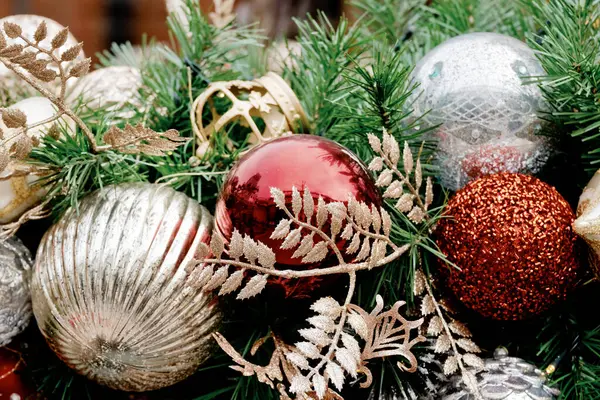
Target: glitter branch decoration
(318, 367)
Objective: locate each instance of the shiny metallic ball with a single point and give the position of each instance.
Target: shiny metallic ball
(15, 297)
(471, 88)
(111, 291)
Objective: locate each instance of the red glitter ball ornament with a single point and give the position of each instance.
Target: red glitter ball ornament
(326, 168)
(511, 237)
(12, 386)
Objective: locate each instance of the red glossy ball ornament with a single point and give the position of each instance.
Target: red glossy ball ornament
(510, 236)
(12, 386)
(326, 168)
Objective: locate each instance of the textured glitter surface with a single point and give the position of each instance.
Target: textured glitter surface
(511, 237)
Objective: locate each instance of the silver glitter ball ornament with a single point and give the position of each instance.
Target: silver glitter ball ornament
(111, 292)
(504, 378)
(15, 297)
(472, 87)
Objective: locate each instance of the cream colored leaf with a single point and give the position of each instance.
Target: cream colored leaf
(292, 239)
(296, 201)
(428, 192)
(394, 191)
(416, 215)
(473, 361)
(451, 365)
(365, 216)
(336, 226)
(376, 164)
(322, 212)
(309, 205)
(354, 244)
(353, 206)
(348, 232)
(300, 385)
(308, 350)
(405, 203)
(317, 253)
(470, 381)
(282, 229)
(352, 345)
(385, 178)
(298, 360)
(217, 246)
(459, 328)
(407, 159)
(360, 326)
(364, 250)
(442, 344)
(204, 276)
(386, 222)
(327, 306)
(374, 142)
(376, 219)
(323, 322)
(306, 245)
(387, 144)
(278, 197)
(315, 336)
(435, 326)
(236, 245)
(468, 345)
(337, 209)
(335, 374)
(319, 385)
(394, 150)
(266, 256)
(218, 279)
(250, 249)
(232, 283)
(253, 287)
(418, 175)
(427, 305)
(420, 282)
(347, 361)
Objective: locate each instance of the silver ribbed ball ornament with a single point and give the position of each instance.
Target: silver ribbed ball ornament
(111, 293)
(15, 296)
(504, 378)
(472, 87)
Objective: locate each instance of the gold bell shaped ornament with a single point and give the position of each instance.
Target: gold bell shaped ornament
(267, 101)
(19, 191)
(587, 224)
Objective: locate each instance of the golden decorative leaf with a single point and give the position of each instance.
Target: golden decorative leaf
(218, 278)
(442, 344)
(420, 282)
(292, 239)
(278, 197)
(407, 158)
(266, 256)
(60, 39)
(11, 51)
(236, 245)
(41, 32)
(250, 249)
(348, 232)
(71, 53)
(296, 201)
(386, 222)
(459, 328)
(435, 326)
(45, 75)
(217, 245)
(139, 139)
(385, 178)
(282, 229)
(81, 68)
(309, 205)
(321, 212)
(418, 175)
(306, 245)
(364, 250)
(12, 30)
(468, 345)
(451, 365)
(14, 118)
(374, 142)
(317, 253)
(394, 191)
(354, 244)
(427, 305)
(253, 287)
(232, 283)
(428, 192)
(376, 164)
(416, 215)
(2, 41)
(473, 361)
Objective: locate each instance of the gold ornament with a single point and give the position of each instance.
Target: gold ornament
(587, 224)
(19, 192)
(269, 98)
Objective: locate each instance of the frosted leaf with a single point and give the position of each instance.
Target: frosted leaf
(232, 283)
(405, 203)
(407, 159)
(308, 350)
(282, 229)
(219, 277)
(348, 232)
(266, 256)
(416, 215)
(204, 277)
(319, 385)
(336, 226)
(354, 244)
(442, 344)
(451, 365)
(353, 206)
(460, 329)
(394, 191)
(318, 253)
(428, 192)
(386, 222)
(298, 360)
(203, 250)
(376, 219)
(250, 249)
(374, 142)
(470, 381)
(292, 239)
(385, 178)
(427, 305)
(365, 216)
(305, 247)
(322, 322)
(435, 326)
(347, 361)
(336, 375)
(253, 287)
(358, 323)
(364, 250)
(309, 205)
(327, 306)
(352, 345)
(296, 201)
(321, 212)
(217, 246)
(278, 197)
(468, 345)
(394, 153)
(236, 245)
(376, 164)
(315, 336)
(300, 384)
(473, 361)
(418, 175)
(420, 282)
(337, 209)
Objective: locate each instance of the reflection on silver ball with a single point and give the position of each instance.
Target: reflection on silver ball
(473, 86)
(15, 297)
(111, 292)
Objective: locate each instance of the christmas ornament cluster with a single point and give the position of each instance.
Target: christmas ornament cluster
(127, 285)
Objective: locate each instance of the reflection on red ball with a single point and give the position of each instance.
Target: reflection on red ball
(326, 168)
(12, 386)
(510, 236)
(489, 160)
